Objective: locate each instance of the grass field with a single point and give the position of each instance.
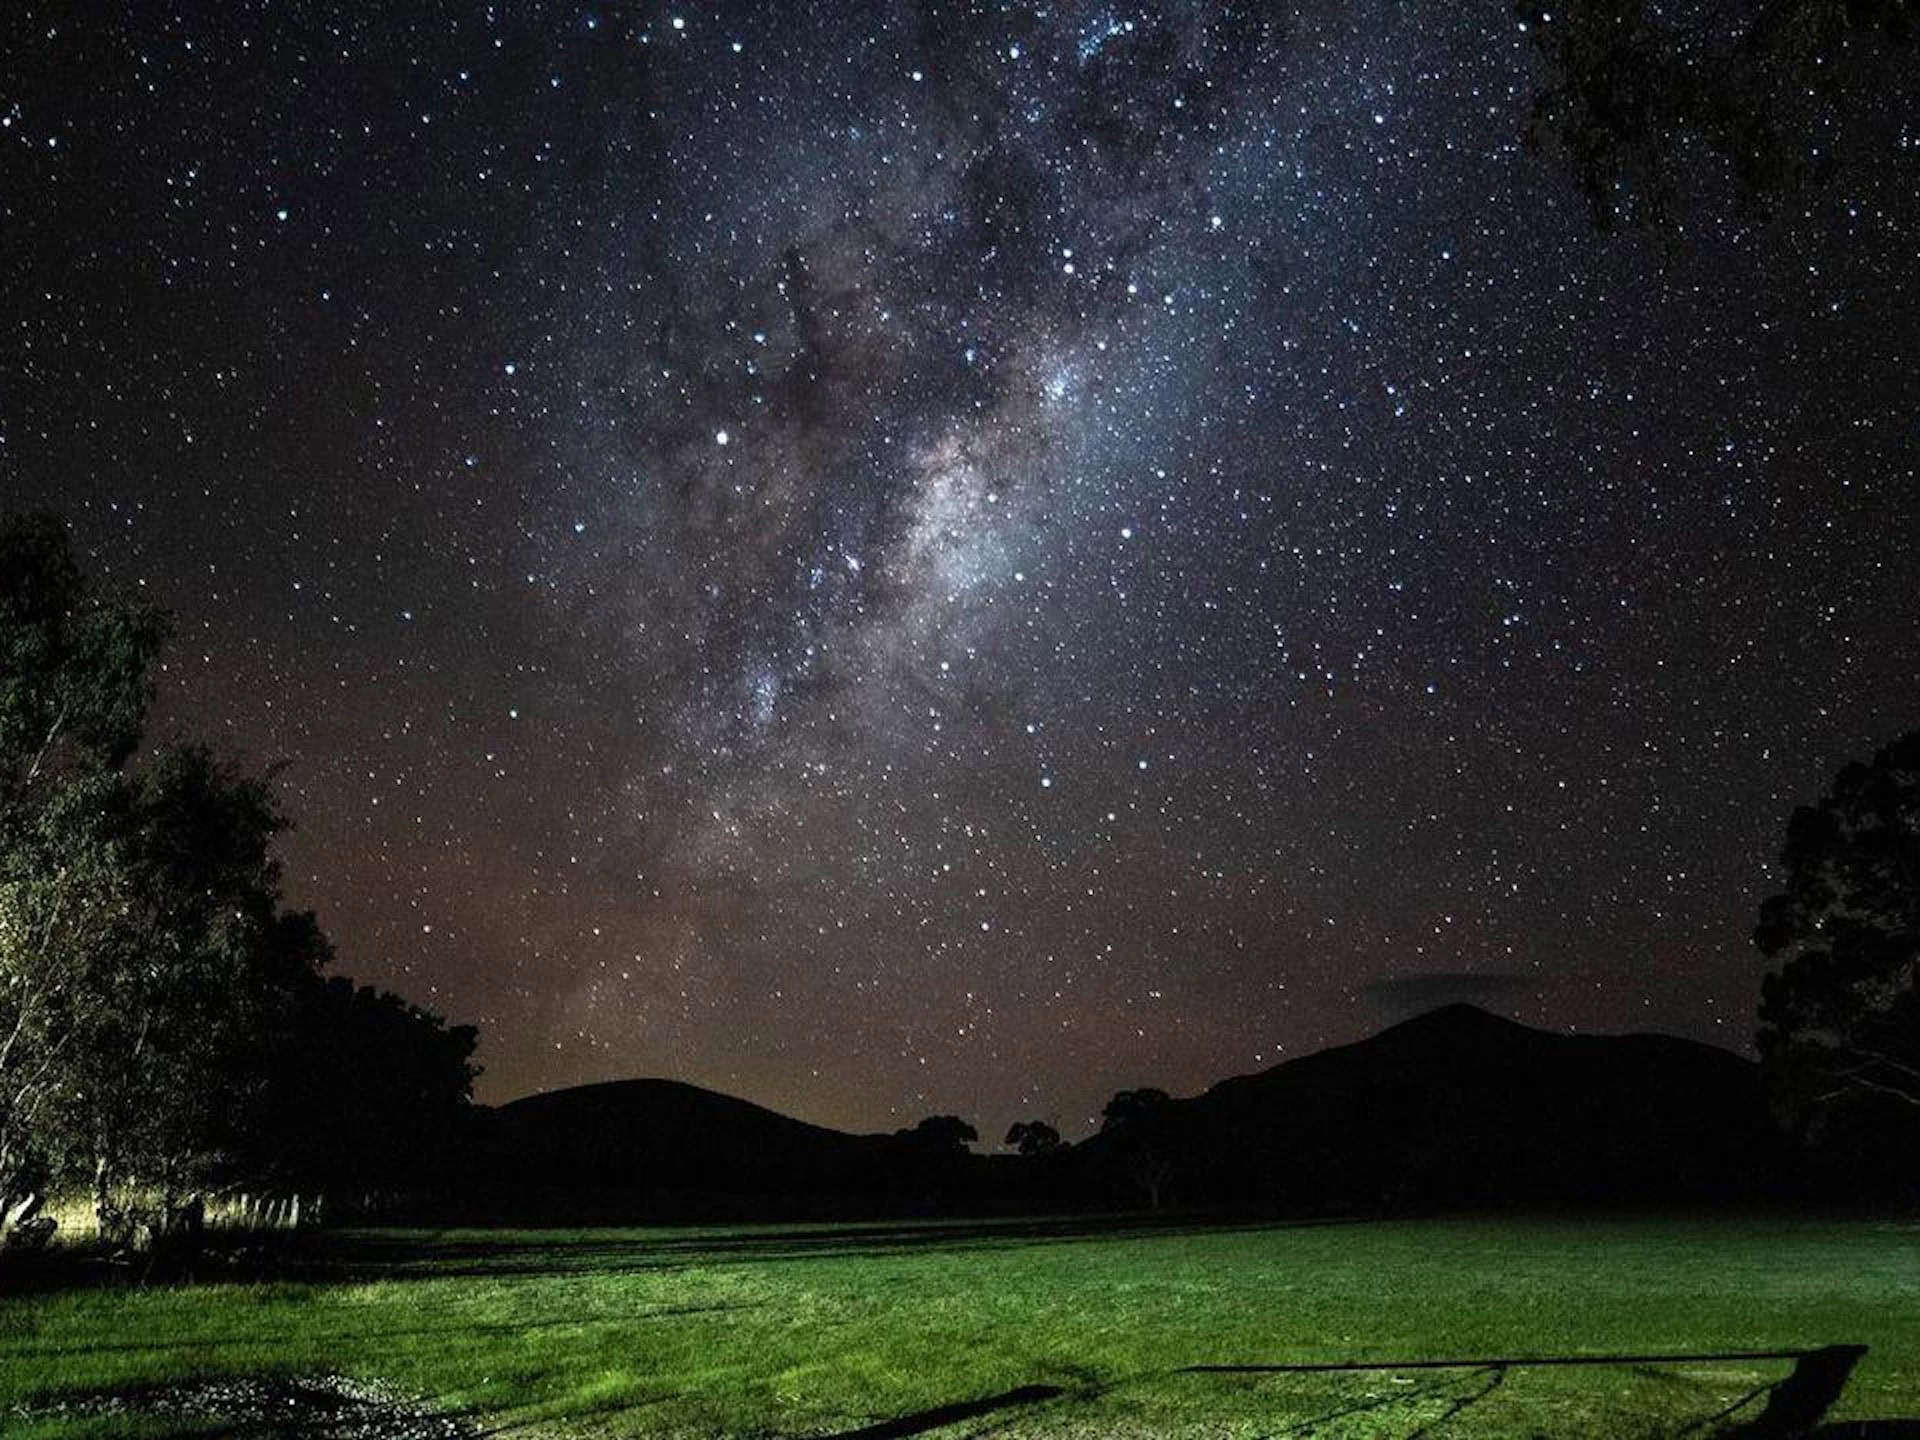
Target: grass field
(1054, 1331)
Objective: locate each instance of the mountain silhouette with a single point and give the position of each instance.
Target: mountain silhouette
(1453, 1108)
(1458, 1107)
(666, 1145)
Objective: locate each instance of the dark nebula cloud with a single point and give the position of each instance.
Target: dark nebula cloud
(905, 558)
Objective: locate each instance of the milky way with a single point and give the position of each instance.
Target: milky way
(942, 558)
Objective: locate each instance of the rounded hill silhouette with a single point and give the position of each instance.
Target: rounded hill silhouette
(1455, 1108)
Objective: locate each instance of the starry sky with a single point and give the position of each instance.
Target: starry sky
(911, 558)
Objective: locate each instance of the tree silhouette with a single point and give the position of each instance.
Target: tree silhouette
(1131, 1110)
(366, 1092)
(1033, 1137)
(167, 1065)
(1631, 83)
(151, 987)
(941, 1135)
(1140, 1122)
(1840, 1016)
(74, 685)
(74, 691)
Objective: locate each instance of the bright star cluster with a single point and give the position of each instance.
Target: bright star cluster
(921, 557)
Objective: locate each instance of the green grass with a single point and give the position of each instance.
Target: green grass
(785, 1332)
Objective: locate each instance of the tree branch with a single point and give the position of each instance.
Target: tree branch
(53, 734)
(1877, 1057)
(1855, 1083)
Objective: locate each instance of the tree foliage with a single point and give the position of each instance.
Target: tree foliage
(1631, 84)
(367, 1091)
(74, 684)
(1139, 1123)
(166, 1071)
(1033, 1137)
(164, 1027)
(1132, 1110)
(1840, 1015)
(74, 691)
(941, 1135)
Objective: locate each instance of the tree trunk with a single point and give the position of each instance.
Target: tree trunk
(113, 1224)
(175, 1236)
(22, 1226)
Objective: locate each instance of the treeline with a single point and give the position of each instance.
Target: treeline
(169, 1031)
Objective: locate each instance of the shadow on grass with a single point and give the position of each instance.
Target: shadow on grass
(599, 1410)
(1793, 1406)
(318, 1340)
(921, 1421)
(355, 1255)
(332, 1408)
(1495, 1378)
(400, 1255)
(1372, 1404)
(1796, 1403)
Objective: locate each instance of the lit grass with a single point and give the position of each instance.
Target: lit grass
(784, 1332)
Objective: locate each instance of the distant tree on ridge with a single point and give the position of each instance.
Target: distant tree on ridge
(941, 1135)
(1139, 1122)
(1033, 1137)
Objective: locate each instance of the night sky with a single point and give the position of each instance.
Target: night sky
(910, 559)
